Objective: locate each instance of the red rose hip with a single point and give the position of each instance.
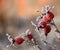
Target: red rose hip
(19, 40)
(29, 36)
(47, 29)
(48, 17)
(42, 25)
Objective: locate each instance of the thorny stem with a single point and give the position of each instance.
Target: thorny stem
(52, 46)
(37, 44)
(48, 44)
(33, 43)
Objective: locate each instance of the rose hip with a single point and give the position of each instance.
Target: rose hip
(42, 25)
(47, 29)
(19, 40)
(48, 17)
(29, 36)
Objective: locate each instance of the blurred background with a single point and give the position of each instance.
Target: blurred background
(16, 17)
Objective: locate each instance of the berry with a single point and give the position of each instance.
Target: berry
(42, 25)
(19, 40)
(47, 29)
(29, 36)
(48, 17)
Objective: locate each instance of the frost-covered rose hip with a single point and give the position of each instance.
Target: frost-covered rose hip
(19, 40)
(47, 29)
(48, 17)
(42, 24)
(29, 36)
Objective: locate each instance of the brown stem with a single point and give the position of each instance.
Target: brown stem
(57, 30)
(36, 43)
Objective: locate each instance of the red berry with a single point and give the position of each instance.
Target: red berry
(50, 15)
(42, 25)
(47, 29)
(19, 40)
(48, 18)
(29, 36)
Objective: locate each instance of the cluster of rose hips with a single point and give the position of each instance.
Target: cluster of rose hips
(45, 20)
(20, 39)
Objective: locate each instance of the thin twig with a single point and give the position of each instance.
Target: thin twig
(57, 30)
